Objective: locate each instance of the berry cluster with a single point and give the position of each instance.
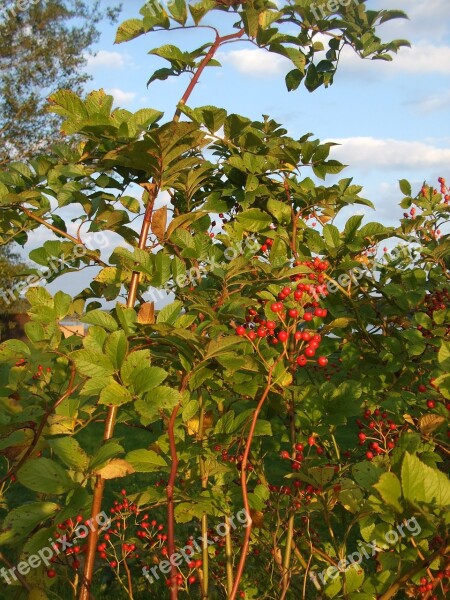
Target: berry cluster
(428, 585)
(378, 433)
(292, 310)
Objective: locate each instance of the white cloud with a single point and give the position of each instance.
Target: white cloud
(430, 19)
(120, 96)
(422, 58)
(369, 153)
(256, 63)
(105, 58)
(432, 103)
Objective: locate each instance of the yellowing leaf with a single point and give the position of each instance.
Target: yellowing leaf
(146, 314)
(159, 222)
(429, 423)
(116, 468)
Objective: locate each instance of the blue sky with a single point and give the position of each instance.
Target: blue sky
(392, 120)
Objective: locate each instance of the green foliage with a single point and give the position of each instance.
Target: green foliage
(207, 406)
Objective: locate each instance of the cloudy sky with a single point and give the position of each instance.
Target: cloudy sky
(392, 120)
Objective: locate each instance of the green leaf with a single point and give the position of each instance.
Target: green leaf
(390, 490)
(254, 220)
(279, 210)
(146, 461)
(108, 450)
(405, 187)
(294, 79)
(70, 452)
(422, 484)
(444, 356)
(116, 348)
(354, 578)
(135, 360)
(92, 364)
(100, 318)
(169, 313)
(146, 378)
(20, 522)
(178, 10)
(115, 394)
(332, 236)
(62, 303)
(45, 476)
(13, 350)
(161, 398)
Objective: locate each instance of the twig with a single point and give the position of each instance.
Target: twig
(242, 561)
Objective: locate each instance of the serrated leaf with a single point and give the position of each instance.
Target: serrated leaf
(45, 476)
(92, 364)
(390, 490)
(115, 394)
(100, 318)
(20, 522)
(422, 484)
(146, 461)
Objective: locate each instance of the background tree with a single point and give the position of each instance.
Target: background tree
(42, 49)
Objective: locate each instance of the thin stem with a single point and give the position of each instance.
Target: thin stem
(209, 55)
(396, 586)
(62, 233)
(111, 418)
(290, 529)
(38, 432)
(229, 558)
(169, 492)
(242, 561)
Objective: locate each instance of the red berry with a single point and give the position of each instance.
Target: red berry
(311, 440)
(293, 313)
(310, 351)
(322, 361)
(431, 403)
(113, 564)
(369, 455)
(422, 388)
(297, 336)
(192, 579)
(301, 360)
(240, 330)
(271, 324)
(276, 307)
(285, 454)
(51, 573)
(308, 316)
(286, 291)
(283, 336)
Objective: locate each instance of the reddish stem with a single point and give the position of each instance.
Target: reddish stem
(210, 54)
(248, 531)
(169, 492)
